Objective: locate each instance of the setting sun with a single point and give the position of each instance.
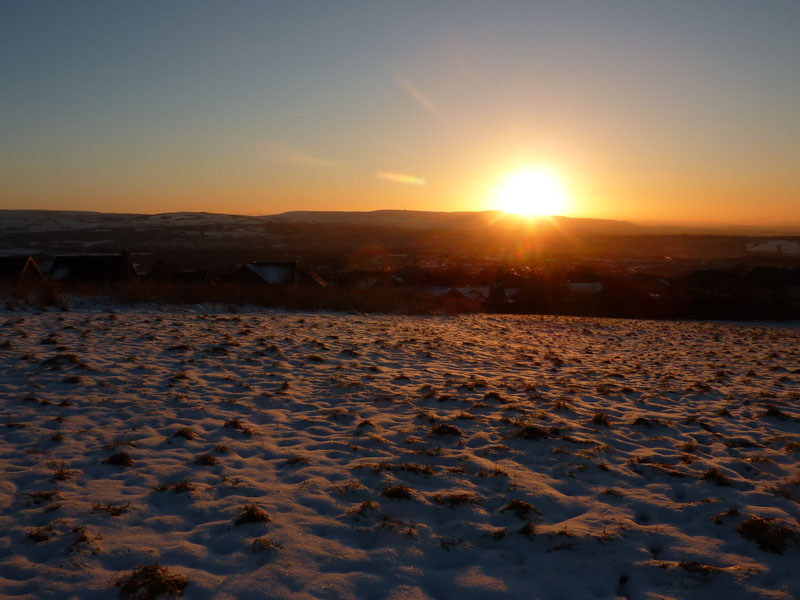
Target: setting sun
(532, 192)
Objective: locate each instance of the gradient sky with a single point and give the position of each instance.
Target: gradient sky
(681, 111)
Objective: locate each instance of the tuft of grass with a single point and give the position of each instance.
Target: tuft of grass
(262, 544)
(715, 475)
(120, 459)
(58, 436)
(561, 404)
(185, 433)
(457, 498)
(251, 513)
(177, 486)
(443, 429)
(362, 508)
(348, 486)
(63, 474)
(520, 508)
(529, 529)
(207, 460)
(769, 536)
(38, 535)
(731, 512)
(42, 496)
(149, 582)
(532, 432)
(112, 509)
(221, 449)
(693, 566)
(397, 492)
(296, 460)
(601, 418)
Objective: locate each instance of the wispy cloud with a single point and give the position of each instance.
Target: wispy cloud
(288, 155)
(400, 178)
(418, 95)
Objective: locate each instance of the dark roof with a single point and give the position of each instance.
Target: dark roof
(276, 273)
(772, 277)
(171, 272)
(93, 268)
(14, 268)
(269, 273)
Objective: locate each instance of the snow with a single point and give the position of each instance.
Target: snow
(318, 414)
(775, 246)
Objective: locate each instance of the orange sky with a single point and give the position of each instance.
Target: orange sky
(675, 112)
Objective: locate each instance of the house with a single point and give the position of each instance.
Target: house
(359, 279)
(19, 269)
(164, 272)
(93, 268)
(648, 285)
(276, 273)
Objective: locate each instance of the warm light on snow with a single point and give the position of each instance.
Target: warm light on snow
(358, 456)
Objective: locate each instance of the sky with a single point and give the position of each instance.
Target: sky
(682, 111)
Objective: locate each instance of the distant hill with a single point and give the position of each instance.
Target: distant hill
(330, 237)
(454, 220)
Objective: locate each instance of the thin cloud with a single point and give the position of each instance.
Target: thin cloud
(288, 155)
(418, 95)
(400, 178)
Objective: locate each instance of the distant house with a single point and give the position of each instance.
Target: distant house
(770, 277)
(720, 284)
(475, 293)
(18, 269)
(651, 286)
(93, 268)
(583, 287)
(164, 272)
(276, 273)
(359, 279)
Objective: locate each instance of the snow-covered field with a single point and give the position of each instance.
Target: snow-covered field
(397, 457)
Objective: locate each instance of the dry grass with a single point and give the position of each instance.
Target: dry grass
(715, 475)
(397, 492)
(601, 418)
(443, 429)
(62, 474)
(149, 582)
(185, 433)
(207, 460)
(457, 498)
(251, 513)
(112, 509)
(120, 459)
(38, 535)
(262, 544)
(178, 487)
(769, 536)
(520, 508)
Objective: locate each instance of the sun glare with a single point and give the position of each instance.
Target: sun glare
(532, 192)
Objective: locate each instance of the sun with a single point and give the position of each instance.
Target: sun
(531, 192)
